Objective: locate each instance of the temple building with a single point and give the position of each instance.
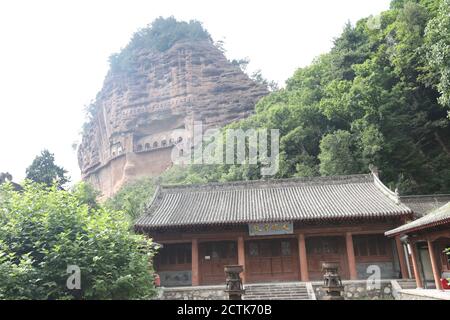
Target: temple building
(427, 238)
(279, 230)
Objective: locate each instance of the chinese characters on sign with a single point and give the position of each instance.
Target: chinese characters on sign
(266, 229)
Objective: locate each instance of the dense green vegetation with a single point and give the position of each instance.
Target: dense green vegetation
(43, 230)
(132, 197)
(44, 170)
(380, 96)
(160, 35)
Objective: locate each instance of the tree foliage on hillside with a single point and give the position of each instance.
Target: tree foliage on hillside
(133, 197)
(437, 48)
(44, 230)
(380, 97)
(160, 35)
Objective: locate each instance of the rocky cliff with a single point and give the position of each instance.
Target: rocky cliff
(160, 92)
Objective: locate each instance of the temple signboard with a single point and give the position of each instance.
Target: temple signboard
(271, 228)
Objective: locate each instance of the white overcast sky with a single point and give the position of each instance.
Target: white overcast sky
(53, 56)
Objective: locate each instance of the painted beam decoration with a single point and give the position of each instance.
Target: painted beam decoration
(273, 228)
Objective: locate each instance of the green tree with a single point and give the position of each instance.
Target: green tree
(87, 194)
(133, 197)
(44, 230)
(437, 48)
(44, 170)
(336, 154)
(241, 63)
(258, 77)
(160, 36)
(350, 48)
(376, 98)
(370, 142)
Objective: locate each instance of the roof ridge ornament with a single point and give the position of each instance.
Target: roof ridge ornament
(153, 198)
(374, 170)
(394, 195)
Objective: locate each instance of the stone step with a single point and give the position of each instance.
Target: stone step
(287, 291)
(274, 288)
(276, 293)
(299, 297)
(265, 293)
(407, 284)
(277, 298)
(276, 285)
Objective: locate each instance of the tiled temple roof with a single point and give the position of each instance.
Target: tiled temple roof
(438, 217)
(424, 204)
(300, 199)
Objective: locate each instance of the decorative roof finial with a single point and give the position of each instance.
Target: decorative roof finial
(374, 170)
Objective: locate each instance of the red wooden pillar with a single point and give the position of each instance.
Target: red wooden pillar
(241, 255)
(401, 257)
(195, 267)
(351, 256)
(304, 274)
(415, 265)
(434, 265)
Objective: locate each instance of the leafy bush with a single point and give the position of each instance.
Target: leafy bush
(44, 230)
(87, 194)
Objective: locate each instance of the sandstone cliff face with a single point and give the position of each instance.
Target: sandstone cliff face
(137, 112)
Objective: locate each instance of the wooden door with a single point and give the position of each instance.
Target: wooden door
(213, 257)
(326, 249)
(271, 260)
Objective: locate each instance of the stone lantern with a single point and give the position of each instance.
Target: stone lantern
(234, 287)
(332, 284)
